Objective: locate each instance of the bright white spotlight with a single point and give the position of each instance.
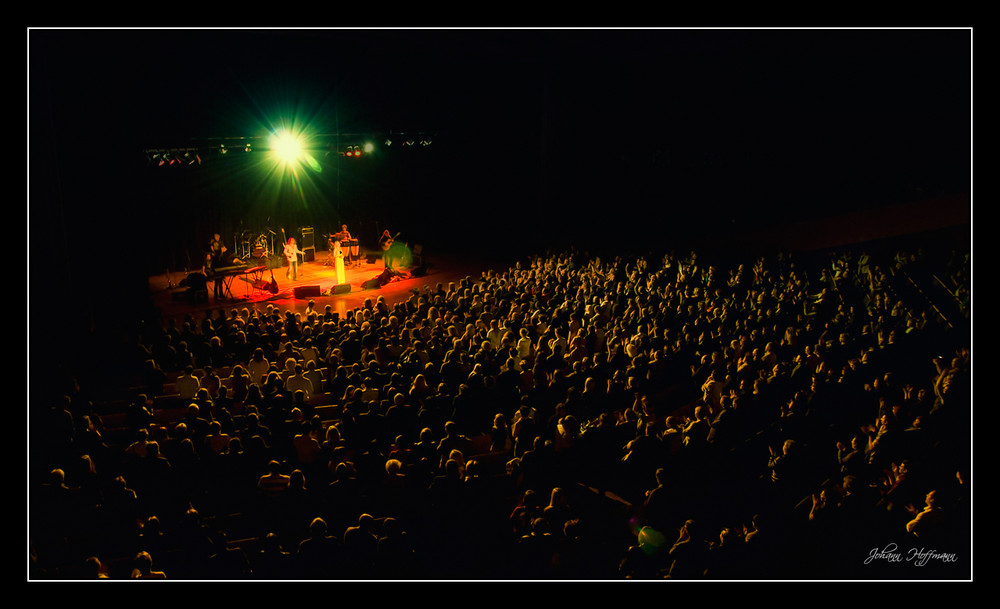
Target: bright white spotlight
(286, 147)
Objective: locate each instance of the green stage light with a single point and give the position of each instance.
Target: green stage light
(286, 147)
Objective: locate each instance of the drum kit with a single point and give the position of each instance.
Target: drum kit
(253, 244)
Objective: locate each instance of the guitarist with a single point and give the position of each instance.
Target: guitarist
(386, 242)
(292, 253)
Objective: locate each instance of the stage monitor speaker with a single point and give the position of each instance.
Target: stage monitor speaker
(308, 254)
(306, 291)
(371, 284)
(419, 271)
(342, 288)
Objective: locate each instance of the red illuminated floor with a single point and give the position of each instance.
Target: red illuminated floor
(173, 301)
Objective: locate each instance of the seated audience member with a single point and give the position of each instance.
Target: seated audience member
(143, 568)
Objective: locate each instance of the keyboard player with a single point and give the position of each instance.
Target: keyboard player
(214, 262)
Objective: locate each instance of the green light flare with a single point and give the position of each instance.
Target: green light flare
(286, 147)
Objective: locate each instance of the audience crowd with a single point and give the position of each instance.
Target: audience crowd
(570, 417)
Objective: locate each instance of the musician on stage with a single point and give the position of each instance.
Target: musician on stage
(338, 262)
(292, 253)
(344, 239)
(216, 249)
(386, 242)
(344, 234)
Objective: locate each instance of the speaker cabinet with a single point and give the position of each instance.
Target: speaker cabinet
(308, 254)
(308, 238)
(306, 291)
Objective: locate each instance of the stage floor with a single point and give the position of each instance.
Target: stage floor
(170, 297)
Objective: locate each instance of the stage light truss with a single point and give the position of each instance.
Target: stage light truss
(409, 141)
(172, 157)
(350, 145)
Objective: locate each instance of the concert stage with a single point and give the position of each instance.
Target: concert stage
(250, 287)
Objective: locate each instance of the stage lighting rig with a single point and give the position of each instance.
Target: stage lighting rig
(156, 158)
(167, 157)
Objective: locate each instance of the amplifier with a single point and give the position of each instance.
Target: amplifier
(306, 291)
(308, 237)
